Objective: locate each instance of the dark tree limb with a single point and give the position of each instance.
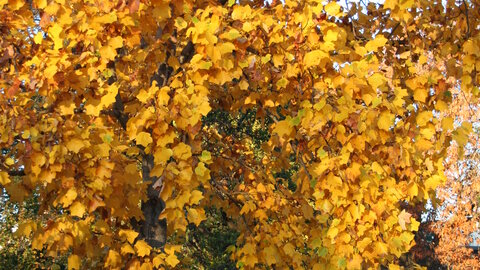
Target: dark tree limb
(152, 229)
(19, 172)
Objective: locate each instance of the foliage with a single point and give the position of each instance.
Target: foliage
(315, 128)
(209, 245)
(456, 219)
(13, 254)
(16, 252)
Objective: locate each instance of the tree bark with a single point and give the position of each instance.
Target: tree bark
(151, 229)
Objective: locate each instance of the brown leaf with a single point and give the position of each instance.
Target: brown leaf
(133, 6)
(14, 89)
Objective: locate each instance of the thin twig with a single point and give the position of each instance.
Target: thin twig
(301, 162)
(472, 113)
(393, 30)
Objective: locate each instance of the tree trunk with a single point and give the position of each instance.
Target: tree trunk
(151, 229)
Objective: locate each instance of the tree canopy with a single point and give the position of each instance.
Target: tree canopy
(314, 126)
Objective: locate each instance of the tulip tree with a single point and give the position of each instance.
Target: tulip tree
(104, 118)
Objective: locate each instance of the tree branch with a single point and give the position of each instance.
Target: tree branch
(310, 177)
(20, 172)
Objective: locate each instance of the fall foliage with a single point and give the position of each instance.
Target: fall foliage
(457, 215)
(315, 127)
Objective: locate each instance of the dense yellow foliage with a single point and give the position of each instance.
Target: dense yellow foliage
(102, 105)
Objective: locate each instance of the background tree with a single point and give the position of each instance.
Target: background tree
(111, 116)
(456, 218)
(16, 252)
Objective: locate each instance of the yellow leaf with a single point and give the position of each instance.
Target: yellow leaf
(40, 4)
(373, 45)
(265, 59)
(412, 189)
(381, 248)
(314, 58)
(332, 8)
(231, 34)
(243, 85)
(196, 197)
(66, 107)
(54, 33)
(206, 157)
(161, 11)
(376, 80)
(282, 83)
(116, 42)
(261, 188)
(414, 225)
(38, 158)
(447, 123)
(172, 260)
(109, 98)
(260, 214)
(146, 266)
(93, 107)
(159, 260)
(143, 96)
(75, 145)
(363, 244)
(283, 128)
(420, 94)
(15, 4)
(163, 96)
(144, 138)
(269, 103)
(10, 161)
(289, 249)
(127, 249)
(142, 248)
(74, 262)
(38, 38)
(196, 215)
(108, 52)
(355, 262)
(360, 50)
(271, 255)
(77, 209)
(332, 232)
(227, 47)
(180, 23)
(344, 237)
(113, 259)
(393, 267)
(460, 134)
(50, 71)
(385, 121)
(428, 132)
(182, 151)
(204, 108)
(130, 235)
(433, 182)
(331, 36)
(162, 155)
(107, 18)
(4, 178)
(69, 197)
(325, 205)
